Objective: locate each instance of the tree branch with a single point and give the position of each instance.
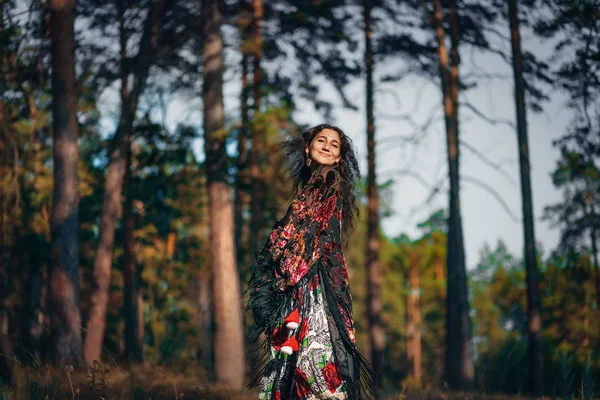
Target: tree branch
(487, 161)
(491, 121)
(494, 193)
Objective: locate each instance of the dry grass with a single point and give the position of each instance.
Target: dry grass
(136, 383)
(155, 382)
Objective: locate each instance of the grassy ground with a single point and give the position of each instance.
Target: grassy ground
(152, 382)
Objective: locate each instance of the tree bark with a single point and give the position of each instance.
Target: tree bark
(594, 240)
(242, 198)
(534, 325)
(34, 320)
(229, 336)
(65, 318)
(373, 262)
(459, 369)
(6, 363)
(205, 320)
(134, 333)
(414, 319)
(258, 142)
(113, 186)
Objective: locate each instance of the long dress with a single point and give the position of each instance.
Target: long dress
(301, 275)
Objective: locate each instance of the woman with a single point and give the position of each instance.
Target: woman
(298, 293)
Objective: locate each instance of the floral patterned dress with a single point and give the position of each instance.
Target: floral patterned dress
(301, 276)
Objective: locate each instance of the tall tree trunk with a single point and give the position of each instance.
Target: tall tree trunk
(134, 339)
(241, 189)
(376, 331)
(205, 320)
(459, 369)
(414, 319)
(258, 140)
(594, 240)
(229, 336)
(534, 326)
(65, 318)
(6, 364)
(113, 186)
(33, 323)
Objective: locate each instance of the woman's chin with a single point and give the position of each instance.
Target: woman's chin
(324, 161)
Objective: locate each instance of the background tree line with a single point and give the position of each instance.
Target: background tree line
(123, 242)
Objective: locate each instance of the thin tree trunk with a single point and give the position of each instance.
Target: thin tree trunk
(373, 263)
(134, 349)
(113, 186)
(6, 363)
(34, 320)
(459, 369)
(468, 368)
(229, 336)
(205, 320)
(256, 154)
(241, 190)
(594, 240)
(65, 318)
(536, 377)
(414, 319)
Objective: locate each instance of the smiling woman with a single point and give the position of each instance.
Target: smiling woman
(299, 293)
(324, 149)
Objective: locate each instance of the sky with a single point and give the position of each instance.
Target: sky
(487, 217)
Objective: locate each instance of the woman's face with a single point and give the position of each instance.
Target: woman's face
(325, 147)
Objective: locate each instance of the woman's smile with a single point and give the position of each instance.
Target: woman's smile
(325, 147)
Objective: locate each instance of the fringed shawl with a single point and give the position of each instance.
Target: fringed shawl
(307, 242)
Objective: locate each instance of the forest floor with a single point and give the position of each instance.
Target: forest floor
(156, 383)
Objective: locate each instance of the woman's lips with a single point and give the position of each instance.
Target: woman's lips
(324, 154)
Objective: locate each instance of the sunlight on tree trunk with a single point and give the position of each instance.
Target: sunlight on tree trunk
(228, 332)
(413, 323)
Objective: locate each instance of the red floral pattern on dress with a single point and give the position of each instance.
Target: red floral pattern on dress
(288, 230)
(303, 330)
(332, 376)
(302, 385)
(299, 272)
(273, 236)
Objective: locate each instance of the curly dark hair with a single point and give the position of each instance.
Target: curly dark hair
(295, 158)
